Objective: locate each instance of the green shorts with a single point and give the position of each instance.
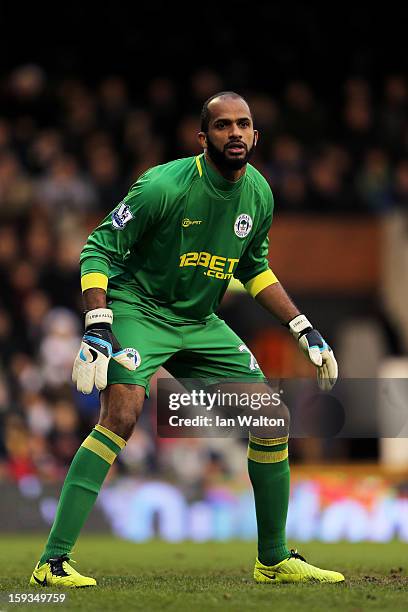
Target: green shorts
(209, 350)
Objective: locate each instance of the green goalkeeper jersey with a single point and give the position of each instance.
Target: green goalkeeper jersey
(173, 244)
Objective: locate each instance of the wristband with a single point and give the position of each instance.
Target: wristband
(98, 315)
(299, 326)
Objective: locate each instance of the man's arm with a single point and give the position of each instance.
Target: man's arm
(275, 299)
(110, 243)
(94, 298)
(260, 282)
(99, 345)
(112, 240)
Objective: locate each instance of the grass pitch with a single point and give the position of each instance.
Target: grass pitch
(210, 576)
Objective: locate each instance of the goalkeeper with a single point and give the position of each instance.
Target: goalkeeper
(153, 275)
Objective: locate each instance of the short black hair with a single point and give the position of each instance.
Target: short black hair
(205, 113)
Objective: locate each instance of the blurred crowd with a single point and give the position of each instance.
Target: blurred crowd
(69, 151)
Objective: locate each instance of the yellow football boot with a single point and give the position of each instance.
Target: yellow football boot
(58, 573)
(294, 569)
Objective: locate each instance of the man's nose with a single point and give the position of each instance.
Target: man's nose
(235, 132)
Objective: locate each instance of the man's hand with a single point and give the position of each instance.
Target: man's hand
(98, 346)
(317, 350)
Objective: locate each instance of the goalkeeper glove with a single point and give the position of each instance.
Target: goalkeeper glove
(98, 346)
(317, 350)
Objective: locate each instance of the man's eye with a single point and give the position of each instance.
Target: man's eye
(220, 125)
(244, 124)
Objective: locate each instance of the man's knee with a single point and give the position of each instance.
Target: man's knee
(280, 421)
(120, 423)
(265, 407)
(269, 411)
(121, 406)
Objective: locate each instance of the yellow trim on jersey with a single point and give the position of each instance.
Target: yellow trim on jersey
(260, 282)
(267, 457)
(100, 449)
(268, 441)
(235, 285)
(111, 435)
(94, 280)
(199, 168)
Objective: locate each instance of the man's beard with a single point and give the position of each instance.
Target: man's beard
(223, 162)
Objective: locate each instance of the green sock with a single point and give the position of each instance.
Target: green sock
(268, 469)
(85, 476)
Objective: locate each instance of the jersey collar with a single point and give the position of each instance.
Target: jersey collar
(218, 181)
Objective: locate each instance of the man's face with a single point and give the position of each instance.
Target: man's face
(231, 137)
